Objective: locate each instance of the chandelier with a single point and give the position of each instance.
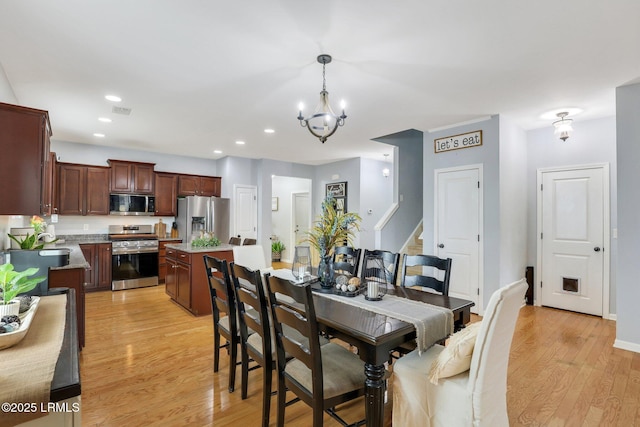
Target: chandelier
(323, 122)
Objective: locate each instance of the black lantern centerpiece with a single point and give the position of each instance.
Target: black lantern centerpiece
(374, 278)
(301, 267)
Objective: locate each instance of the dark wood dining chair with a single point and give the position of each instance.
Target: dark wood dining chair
(235, 241)
(224, 308)
(249, 292)
(249, 241)
(391, 261)
(431, 282)
(321, 376)
(346, 260)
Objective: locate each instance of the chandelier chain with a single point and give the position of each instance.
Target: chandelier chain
(324, 80)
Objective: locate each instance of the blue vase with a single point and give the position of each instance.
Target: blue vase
(325, 271)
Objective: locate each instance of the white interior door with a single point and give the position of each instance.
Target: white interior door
(457, 229)
(301, 207)
(246, 211)
(573, 239)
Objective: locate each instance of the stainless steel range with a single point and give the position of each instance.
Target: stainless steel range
(134, 256)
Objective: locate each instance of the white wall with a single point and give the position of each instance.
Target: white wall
(376, 195)
(282, 220)
(513, 201)
(592, 141)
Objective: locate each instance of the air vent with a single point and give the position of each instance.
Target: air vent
(121, 110)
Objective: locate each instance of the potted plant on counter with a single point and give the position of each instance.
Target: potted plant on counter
(276, 250)
(32, 241)
(13, 283)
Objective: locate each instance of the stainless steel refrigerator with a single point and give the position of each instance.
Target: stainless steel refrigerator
(198, 214)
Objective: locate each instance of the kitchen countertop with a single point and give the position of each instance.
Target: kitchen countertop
(76, 257)
(186, 247)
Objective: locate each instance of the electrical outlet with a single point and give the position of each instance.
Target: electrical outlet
(54, 218)
(85, 227)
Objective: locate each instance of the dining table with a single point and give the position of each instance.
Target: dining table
(376, 335)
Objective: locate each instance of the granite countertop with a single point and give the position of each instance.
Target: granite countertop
(186, 247)
(76, 257)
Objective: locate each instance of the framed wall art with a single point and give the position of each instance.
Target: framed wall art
(338, 190)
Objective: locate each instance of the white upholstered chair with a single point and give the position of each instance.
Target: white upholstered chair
(477, 397)
(251, 256)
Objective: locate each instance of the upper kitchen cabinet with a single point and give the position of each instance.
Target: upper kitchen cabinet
(24, 138)
(166, 194)
(83, 190)
(192, 185)
(131, 177)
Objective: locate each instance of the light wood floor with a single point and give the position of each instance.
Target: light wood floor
(147, 362)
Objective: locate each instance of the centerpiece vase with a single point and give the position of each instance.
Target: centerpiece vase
(326, 271)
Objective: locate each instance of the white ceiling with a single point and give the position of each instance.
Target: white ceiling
(201, 74)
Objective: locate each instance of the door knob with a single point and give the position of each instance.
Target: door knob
(441, 245)
(597, 249)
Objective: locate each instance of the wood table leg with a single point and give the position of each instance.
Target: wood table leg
(374, 397)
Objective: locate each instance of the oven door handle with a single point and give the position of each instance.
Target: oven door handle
(134, 251)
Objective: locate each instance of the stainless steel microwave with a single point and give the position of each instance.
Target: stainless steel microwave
(130, 204)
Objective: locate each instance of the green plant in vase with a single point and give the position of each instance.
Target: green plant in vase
(13, 283)
(332, 228)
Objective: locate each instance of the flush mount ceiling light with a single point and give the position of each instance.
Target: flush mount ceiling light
(323, 122)
(563, 126)
(113, 98)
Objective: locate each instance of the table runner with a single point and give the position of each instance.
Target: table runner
(432, 323)
(26, 369)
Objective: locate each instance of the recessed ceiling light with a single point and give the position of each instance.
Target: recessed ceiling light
(113, 98)
(99, 135)
(217, 151)
(553, 114)
(268, 130)
(105, 119)
(240, 142)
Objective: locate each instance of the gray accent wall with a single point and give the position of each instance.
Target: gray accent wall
(489, 156)
(628, 173)
(410, 190)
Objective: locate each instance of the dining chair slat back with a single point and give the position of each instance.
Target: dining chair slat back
(224, 314)
(346, 259)
(391, 261)
(442, 264)
(253, 316)
(321, 376)
(249, 241)
(235, 241)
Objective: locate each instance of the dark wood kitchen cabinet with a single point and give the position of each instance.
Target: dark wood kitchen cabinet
(162, 258)
(192, 185)
(25, 140)
(186, 280)
(82, 190)
(166, 194)
(132, 177)
(98, 276)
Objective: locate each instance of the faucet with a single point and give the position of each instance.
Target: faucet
(51, 237)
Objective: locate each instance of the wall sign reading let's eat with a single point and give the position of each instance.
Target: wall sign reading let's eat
(457, 142)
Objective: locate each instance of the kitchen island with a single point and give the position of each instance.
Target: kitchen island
(186, 281)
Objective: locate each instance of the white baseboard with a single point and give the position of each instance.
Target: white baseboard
(625, 345)
(612, 316)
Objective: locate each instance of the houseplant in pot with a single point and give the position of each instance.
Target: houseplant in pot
(333, 227)
(13, 283)
(276, 250)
